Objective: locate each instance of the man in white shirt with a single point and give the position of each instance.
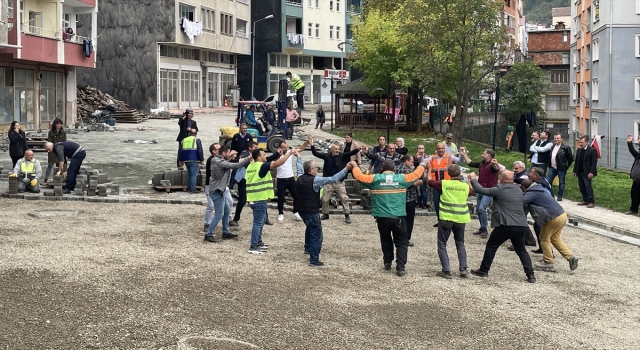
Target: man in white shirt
(543, 152)
(286, 182)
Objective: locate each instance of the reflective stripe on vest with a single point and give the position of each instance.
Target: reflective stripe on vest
(296, 83)
(439, 167)
(189, 143)
(258, 188)
(30, 170)
(453, 201)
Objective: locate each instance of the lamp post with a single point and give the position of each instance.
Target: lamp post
(342, 52)
(495, 116)
(253, 53)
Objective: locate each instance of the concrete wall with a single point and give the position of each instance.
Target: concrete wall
(325, 17)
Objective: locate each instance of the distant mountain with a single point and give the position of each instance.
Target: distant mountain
(539, 11)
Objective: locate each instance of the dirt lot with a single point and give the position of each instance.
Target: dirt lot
(123, 276)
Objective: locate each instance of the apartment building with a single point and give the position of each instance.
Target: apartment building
(303, 37)
(513, 22)
(40, 50)
(549, 49)
(605, 73)
(168, 53)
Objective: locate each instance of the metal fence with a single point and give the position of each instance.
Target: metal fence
(614, 153)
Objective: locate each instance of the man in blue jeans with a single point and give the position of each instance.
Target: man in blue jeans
(192, 156)
(308, 188)
(220, 176)
(561, 160)
(68, 150)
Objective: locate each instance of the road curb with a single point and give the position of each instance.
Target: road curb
(581, 219)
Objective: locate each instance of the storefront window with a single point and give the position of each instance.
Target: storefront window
(25, 103)
(6, 95)
(51, 96)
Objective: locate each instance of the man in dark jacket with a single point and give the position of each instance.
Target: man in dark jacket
(585, 168)
(561, 160)
(550, 216)
(320, 118)
(508, 222)
(68, 150)
(634, 174)
(186, 124)
(334, 162)
(379, 157)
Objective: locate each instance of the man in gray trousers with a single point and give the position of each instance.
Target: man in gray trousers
(508, 222)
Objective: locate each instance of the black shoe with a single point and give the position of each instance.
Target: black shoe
(536, 251)
(444, 274)
(484, 234)
(531, 278)
(307, 252)
(324, 217)
(229, 236)
(410, 244)
(210, 239)
(435, 225)
(559, 199)
(317, 263)
(400, 273)
(479, 273)
(464, 273)
(67, 191)
(511, 248)
(387, 266)
(268, 222)
(480, 231)
(233, 223)
(347, 219)
(206, 228)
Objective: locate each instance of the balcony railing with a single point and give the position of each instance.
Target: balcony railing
(44, 32)
(294, 2)
(242, 34)
(244, 1)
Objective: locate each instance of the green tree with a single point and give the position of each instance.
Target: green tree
(526, 82)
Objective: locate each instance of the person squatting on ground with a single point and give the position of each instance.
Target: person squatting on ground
(452, 218)
(191, 155)
(550, 216)
(406, 167)
(28, 171)
(488, 170)
(186, 124)
(440, 162)
(561, 160)
(221, 169)
(388, 198)
(56, 134)
(286, 182)
(508, 222)
(259, 191)
(520, 173)
(308, 188)
(334, 162)
(585, 168)
(634, 174)
(214, 149)
(72, 151)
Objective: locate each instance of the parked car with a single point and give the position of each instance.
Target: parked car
(271, 100)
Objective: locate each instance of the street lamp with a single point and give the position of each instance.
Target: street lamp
(253, 53)
(342, 52)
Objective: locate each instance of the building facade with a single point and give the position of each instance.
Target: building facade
(168, 53)
(605, 77)
(549, 49)
(40, 50)
(303, 38)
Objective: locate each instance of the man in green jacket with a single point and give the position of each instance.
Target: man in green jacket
(388, 198)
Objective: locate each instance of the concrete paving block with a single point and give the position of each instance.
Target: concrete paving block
(102, 178)
(157, 177)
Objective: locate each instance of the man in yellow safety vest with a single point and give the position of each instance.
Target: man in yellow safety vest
(298, 87)
(28, 171)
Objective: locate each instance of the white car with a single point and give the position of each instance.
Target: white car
(271, 100)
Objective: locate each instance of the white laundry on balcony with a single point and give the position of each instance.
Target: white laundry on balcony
(191, 29)
(296, 38)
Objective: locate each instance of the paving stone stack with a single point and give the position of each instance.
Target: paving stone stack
(114, 190)
(57, 185)
(80, 182)
(165, 183)
(3, 175)
(102, 190)
(93, 184)
(13, 185)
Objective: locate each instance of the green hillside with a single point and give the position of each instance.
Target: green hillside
(539, 11)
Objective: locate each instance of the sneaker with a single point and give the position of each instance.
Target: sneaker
(631, 213)
(464, 273)
(484, 234)
(210, 239)
(229, 235)
(479, 273)
(480, 231)
(531, 278)
(559, 199)
(256, 250)
(206, 228)
(400, 273)
(324, 217)
(268, 222)
(297, 217)
(444, 274)
(387, 266)
(347, 219)
(233, 223)
(317, 263)
(573, 263)
(410, 244)
(545, 266)
(263, 245)
(280, 218)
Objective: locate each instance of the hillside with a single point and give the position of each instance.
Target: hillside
(539, 11)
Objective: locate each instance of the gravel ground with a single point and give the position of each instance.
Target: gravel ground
(139, 276)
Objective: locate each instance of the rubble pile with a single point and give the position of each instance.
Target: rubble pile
(90, 99)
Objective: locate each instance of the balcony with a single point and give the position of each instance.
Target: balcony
(293, 8)
(294, 2)
(295, 40)
(43, 32)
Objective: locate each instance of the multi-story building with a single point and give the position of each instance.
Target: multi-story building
(303, 38)
(549, 49)
(512, 20)
(561, 14)
(39, 56)
(170, 53)
(605, 73)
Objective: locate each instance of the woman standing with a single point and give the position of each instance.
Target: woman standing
(56, 134)
(17, 142)
(422, 197)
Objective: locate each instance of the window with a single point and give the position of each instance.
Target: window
(559, 76)
(330, 5)
(595, 52)
(226, 24)
(190, 87)
(565, 58)
(66, 21)
(190, 54)
(187, 11)
(317, 30)
(636, 130)
(168, 51)
(579, 60)
(557, 103)
(330, 32)
(277, 60)
(338, 33)
(637, 40)
(310, 30)
(6, 95)
(637, 7)
(51, 86)
(241, 28)
(309, 3)
(338, 5)
(636, 87)
(168, 85)
(576, 59)
(208, 18)
(574, 92)
(226, 80)
(587, 60)
(594, 90)
(35, 22)
(299, 61)
(317, 4)
(596, 11)
(226, 58)
(349, 32)
(212, 56)
(565, 37)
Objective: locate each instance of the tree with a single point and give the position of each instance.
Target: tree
(526, 82)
